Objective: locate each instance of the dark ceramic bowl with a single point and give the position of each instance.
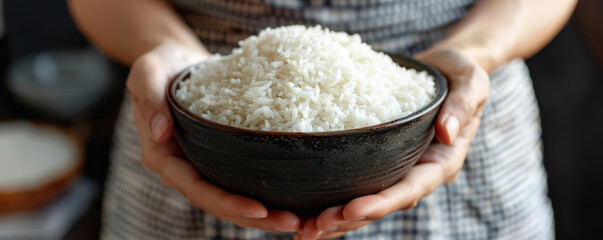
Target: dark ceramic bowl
(306, 172)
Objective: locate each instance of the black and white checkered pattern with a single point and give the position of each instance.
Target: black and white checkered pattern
(501, 190)
(405, 26)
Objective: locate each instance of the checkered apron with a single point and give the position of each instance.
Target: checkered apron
(500, 192)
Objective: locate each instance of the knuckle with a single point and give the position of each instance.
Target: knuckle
(165, 182)
(227, 212)
(141, 68)
(466, 74)
(482, 74)
(464, 106)
(151, 160)
(197, 204)
(130, 85)
(455, 175)
(486, 90)
(147, 100)
(146, 160)
(418, 192)
(411, 205)
(426, 191)
(146, 62)
(467, 105)
(380, 214)
(453, 178)
(414, 203)
(228, 209)
(482, 84)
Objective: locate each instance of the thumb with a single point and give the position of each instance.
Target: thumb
(148, 80)
(146, 83)
(468, 86)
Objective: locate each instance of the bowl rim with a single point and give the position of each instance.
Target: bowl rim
(408, 62)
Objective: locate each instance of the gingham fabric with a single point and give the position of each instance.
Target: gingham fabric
(500, 192)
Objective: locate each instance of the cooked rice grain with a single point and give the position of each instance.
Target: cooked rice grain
(304, 79)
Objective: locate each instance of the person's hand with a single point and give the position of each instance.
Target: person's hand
(146, 83)
(456, 125)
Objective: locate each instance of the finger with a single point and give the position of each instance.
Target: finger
(418, 182)
(204, 195)
(332, 220)
(146, 83)
(309, 229)
(468, 90)
(452, 157)
(153, 153)
(276, 221)
(166, 183)
(438, 165)
(148, 80)
(181, 175)
(464, 102)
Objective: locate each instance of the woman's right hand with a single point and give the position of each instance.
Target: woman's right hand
(146, 83)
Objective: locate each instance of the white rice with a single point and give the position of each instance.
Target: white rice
(304, 79)
(31, 156)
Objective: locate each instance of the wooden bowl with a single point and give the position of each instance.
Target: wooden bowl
(306, 172)
(19, 199)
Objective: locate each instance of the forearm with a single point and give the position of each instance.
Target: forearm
(126, 29)
(495, 31)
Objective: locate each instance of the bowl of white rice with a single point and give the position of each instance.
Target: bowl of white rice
(303, 118)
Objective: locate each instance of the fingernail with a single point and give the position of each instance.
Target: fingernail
(452, 126)
(357, 219)
(278, 229)
(332, 229)
(158, 125)
(254, 215)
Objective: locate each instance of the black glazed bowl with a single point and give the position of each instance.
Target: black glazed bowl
(306, 172)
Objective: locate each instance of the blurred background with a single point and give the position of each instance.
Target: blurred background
(50, 73)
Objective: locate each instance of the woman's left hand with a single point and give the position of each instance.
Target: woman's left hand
(456, 125)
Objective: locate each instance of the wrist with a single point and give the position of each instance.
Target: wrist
(489, 33)
(487, 54)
